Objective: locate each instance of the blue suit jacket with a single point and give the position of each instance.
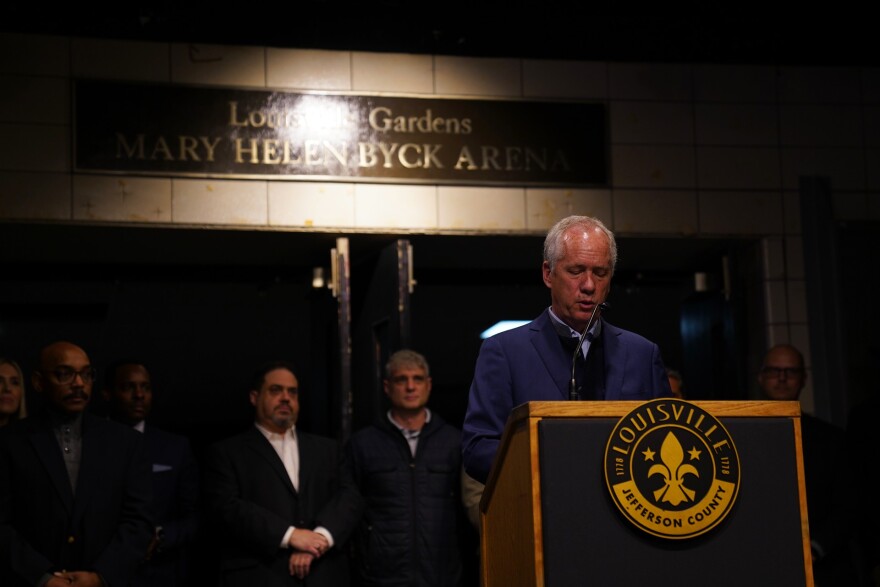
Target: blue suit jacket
(174, 507)
(530, 364)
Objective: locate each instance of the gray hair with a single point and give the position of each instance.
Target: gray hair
(406, 358)
(553, 244)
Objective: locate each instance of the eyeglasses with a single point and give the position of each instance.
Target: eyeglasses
(778, 372)
(405, 379)
(65, 375)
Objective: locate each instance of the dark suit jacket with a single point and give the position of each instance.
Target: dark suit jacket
(529, 363)
(44, 527)
(829, 507)
(249, 495)
(174, 507)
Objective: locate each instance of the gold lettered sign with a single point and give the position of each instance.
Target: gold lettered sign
(176, 130)
(672, 469)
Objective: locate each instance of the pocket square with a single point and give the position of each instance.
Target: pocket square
(157, 468)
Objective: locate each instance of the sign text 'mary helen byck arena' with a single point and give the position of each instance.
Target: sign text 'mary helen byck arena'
(175, 130)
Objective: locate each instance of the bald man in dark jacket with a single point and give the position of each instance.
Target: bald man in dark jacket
(74, 488)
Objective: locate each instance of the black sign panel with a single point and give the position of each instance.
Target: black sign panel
(199, 131)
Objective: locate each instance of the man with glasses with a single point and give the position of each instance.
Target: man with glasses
(782, 377)
(278, 500)
(74, 488)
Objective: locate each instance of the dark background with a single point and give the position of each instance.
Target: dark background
(745, 33)
(203, 306)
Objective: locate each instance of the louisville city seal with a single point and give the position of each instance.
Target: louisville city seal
(672, 469)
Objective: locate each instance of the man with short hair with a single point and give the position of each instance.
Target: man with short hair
(407, 466)
(280, 497)
(534, 362)
(128, 391)
(74, 488)
(782, 377)
(676, 383)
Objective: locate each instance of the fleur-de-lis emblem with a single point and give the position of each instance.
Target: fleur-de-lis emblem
(673, 469)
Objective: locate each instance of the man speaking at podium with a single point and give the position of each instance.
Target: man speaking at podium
(537, 361)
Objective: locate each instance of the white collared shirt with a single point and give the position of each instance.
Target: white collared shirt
(286, 448)
(288, 451)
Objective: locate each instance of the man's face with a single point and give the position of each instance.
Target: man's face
(782, 376)
(131, 397)
(581, 278)
(408, 388)
(277, 401)
(65, 377)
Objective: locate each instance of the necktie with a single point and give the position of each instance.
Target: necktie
(570, 344)
(594, 371)
(589, 372)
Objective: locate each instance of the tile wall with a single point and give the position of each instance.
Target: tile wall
(697, 150)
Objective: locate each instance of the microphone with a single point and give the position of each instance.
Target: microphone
(572, 386)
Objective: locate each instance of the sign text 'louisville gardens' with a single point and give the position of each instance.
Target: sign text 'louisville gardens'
(176, 130)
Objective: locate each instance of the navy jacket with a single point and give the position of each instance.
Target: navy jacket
(529, 363)
(175, 507)
(410, 529)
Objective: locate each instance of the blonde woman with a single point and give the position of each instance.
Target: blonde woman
(12, 404)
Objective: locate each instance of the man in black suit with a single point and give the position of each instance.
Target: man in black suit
(128, 390)
(782, 377)
(283, 504)
(74, 488)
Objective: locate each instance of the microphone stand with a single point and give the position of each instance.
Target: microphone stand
(573, 395)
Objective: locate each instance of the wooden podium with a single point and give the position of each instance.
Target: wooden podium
(547, 517)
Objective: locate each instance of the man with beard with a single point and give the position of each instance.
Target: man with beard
(74, 488)
(283, 505)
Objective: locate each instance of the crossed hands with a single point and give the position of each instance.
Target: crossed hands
(78, 578)
(307, 546)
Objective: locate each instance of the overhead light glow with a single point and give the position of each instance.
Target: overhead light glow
(318, 277)
(501, 327)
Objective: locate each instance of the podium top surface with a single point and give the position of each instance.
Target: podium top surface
(617, 409)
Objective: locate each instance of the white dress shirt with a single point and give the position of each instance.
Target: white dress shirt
(285, 446)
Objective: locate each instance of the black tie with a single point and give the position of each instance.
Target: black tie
(589, 373)
(569, 343)
(594, 379)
